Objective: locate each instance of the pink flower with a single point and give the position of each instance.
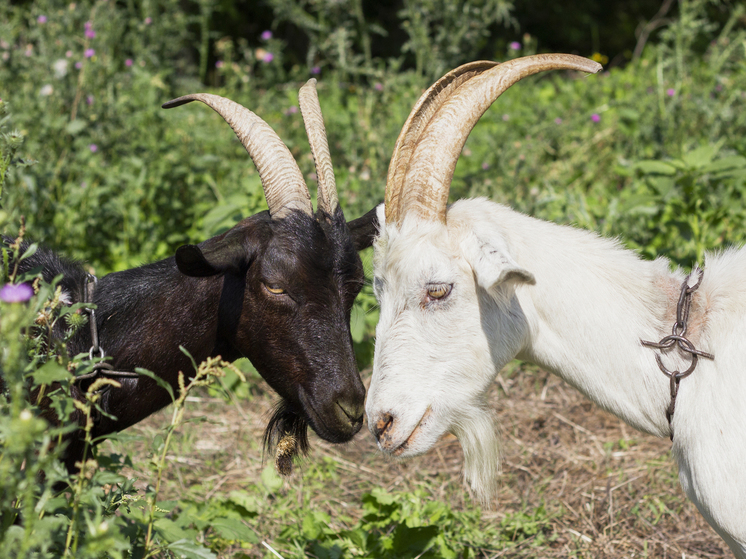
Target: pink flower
(42, 19)
(89, 99)
(16, 293)
(291, 110)
(595, 117)
(266, 35)
(128, 62)
(93, 148)
(148, 21)
(316, 70)
(78, 65)
(90, 33)
(219, 64)
(88, 25)
(69, 53)
(671, 92)
(558, 120)
(378, 86)
(515, 45)
(89, 53)
(269, 57)
(485, 166)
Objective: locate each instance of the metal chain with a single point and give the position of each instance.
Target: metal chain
(100, 368)
(678, 337)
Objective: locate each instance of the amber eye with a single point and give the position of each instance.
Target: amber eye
(438, 290)
(274, 289)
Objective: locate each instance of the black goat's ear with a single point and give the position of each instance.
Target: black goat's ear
(364, 229)
(211, 258)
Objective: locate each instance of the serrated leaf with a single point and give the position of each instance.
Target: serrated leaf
(49, 373)
(184, 549)
(234, 529)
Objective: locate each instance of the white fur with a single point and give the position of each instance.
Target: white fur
(575, 304)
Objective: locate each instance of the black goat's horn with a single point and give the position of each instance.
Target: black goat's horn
(310, 108)
(281, 178)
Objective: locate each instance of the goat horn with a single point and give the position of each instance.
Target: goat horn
(430, 168)
(308, 100)
(284, 187)
(423, 111)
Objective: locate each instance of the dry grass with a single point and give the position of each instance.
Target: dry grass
(608, 490)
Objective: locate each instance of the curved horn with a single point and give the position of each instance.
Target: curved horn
(430, 170)
(284, 187)
(423, 111)
(308, 100)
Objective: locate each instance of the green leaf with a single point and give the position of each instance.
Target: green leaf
(234, 529)
(49, 373)
(75, 126)
(184, 549)
(30, 251)
(700, 157)
(270, 479)
(651, 166)
(159, 381)
(171, 531)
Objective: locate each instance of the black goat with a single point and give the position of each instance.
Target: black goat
(277, 288)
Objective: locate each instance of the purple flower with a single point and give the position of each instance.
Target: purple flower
(269, 57)
(42, 19)
(378, 86)
(16, 293)
(78, 65)
(515, 45)
(558, 120)
(219, 64)
(266, 35)
(485, 166)
(128, 62)
(316, 70)
(89, 99)
(671, 92)
(148, 21)
(291, 110)
(88, 25)
(595, 117)
(93, 148)
(90, 34)
(89, 53)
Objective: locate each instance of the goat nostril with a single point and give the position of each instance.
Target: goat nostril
(382, 425)
(353, 412)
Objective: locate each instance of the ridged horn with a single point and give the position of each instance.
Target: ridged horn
(284, 187)
(430, 168)
(427, 105)
(310, 108)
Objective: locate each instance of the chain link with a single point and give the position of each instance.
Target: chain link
(678, 337)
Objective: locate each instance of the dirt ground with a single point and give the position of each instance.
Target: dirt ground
(609, 491)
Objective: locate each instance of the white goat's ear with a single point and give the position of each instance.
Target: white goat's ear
(492, 263)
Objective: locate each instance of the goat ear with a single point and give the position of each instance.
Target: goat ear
(214, 256)
(365, 229)
(492, 263)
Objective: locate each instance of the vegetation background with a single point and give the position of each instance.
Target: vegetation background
(652, 151)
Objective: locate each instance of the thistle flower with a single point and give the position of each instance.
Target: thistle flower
(595, 117)
(19, 293)
(266, 35)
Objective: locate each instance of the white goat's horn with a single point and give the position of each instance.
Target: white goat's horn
(308, 100)
(436, 150)
(284, 187)
(423, 111)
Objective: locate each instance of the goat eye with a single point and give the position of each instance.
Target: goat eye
(439, 290)
(274, 289)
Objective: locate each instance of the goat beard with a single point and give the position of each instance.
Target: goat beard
(286, 436)
(479, 435)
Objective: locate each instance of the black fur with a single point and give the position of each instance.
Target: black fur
(212, 299)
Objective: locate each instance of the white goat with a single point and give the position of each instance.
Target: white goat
(461, 297)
